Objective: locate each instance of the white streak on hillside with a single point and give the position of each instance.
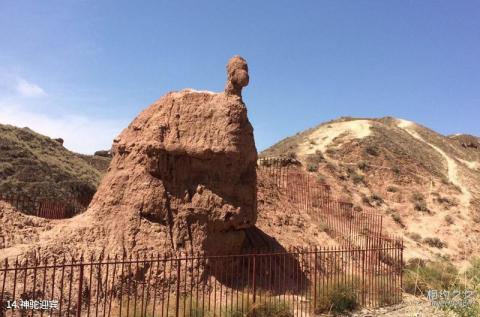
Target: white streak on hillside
(452, 166)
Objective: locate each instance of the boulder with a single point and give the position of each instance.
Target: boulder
(103, 153)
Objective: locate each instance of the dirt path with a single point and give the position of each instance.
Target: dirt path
(452, 166)
(323, 136)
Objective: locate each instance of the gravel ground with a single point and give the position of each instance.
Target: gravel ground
(411, 307)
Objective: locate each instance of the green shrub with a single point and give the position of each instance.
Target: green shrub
(434, 242)
(362, 165)
(415, 236)
(312, 161)
(390, 211)
(271, 309)
(449, 220)
(419, 202)
(421, 275)
(358, 208)
(323, 227)
(392, 189)
(330, 151)
(366, 200)
(312, 167)
(192, 308)
(457, 188)
(417, 196)
(448, 202)
(396, 170)
(357, 178)
(377, 199)
(340, 298)
(474, 271)
(372, 150)
(292, 155)
(396, 217)
(421, 206)
(472, 283)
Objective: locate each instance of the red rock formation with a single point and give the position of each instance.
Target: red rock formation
(187, 162)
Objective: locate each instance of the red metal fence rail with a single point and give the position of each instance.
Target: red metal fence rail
(299, 282)
(349, 227)
(47, 207)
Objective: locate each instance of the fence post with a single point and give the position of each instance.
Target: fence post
(177, 300)
(4, 279)
(401, 267)
(364, 299)
(253, 285)
(80, 288)
(315, 282)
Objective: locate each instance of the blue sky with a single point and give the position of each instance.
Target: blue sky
(82, 70)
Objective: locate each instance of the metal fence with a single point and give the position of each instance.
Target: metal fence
(48, 207)
(308, 194)
(297, 282)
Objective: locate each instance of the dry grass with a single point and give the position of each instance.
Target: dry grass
(30, 162)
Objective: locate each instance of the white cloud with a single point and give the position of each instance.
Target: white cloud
(27, 89)
(81, 134)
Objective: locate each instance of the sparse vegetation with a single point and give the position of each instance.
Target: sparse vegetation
(363, 166)
(421, 275)
(271, 309)
(341, 298)
(415, 236)
(312, 167)
(323, 227)
(419, 202)
(330, 151)
(476, 218)
(396, 170)
(312, 161)
(357, 178)
(449, 220)
(390, 211)
(446, 201)
(396, 217)
(421, 206)
(358, 208)
(292, 155)
(32, 163)
(366, 200)
(434, 242)
(392, 189)
(372, 150)
(377, 199)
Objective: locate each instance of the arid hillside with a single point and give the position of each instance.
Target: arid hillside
(32, 163)
(427, 185)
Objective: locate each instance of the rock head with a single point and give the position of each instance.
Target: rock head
(237, 71)
(184, 171)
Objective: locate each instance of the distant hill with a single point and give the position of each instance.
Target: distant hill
(32, 163)
(426, 184)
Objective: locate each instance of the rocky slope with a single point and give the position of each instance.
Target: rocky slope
(32, 163)
(426, 184)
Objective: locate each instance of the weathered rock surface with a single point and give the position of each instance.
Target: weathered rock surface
(237, 71)
(187, 162)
